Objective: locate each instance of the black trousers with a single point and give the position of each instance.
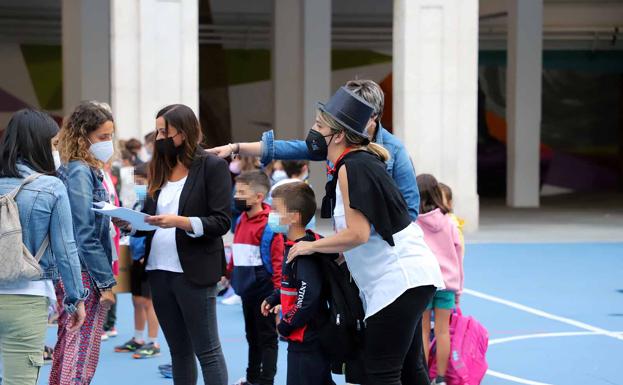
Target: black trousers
(308, 366)
(261, 333)
(393, 346)
(187, 315)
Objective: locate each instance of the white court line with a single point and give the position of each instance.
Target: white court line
(514, 379)
(541, 313)
(543, 335)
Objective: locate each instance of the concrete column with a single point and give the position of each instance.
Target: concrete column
(523, 101)
(435, 62)
(155, 61)
(86, 52)
(301, 63)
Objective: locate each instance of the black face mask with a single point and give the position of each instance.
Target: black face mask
(316, 145)
(166, 147)
(241, 205)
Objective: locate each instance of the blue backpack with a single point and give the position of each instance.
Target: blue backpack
(265, 243)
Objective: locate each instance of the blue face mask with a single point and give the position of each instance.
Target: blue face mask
(141, 192)
(278, 175)
(274, 222)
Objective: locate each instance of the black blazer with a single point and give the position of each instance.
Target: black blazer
(207, 195)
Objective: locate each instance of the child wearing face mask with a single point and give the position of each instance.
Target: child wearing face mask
(85, 144)
(255, 268)
(301, 292)
(297, 171)
(139, 286)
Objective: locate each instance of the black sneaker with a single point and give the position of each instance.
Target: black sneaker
(128, 347)
(147, 351)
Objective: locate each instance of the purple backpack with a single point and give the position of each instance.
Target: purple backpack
(468, 347)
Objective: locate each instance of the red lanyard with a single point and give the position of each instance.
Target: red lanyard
(331, 170)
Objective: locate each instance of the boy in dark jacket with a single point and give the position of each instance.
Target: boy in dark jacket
(301, 298)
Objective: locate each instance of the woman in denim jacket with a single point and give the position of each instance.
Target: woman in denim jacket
(85, 144)
(26, 148)
(399, 164)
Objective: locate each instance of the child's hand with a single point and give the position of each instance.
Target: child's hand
(265, 308)
(121, 224)
(224, 281)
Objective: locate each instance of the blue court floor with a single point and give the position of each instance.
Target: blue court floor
(554, 313)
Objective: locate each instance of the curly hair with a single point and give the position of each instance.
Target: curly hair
(73, 142)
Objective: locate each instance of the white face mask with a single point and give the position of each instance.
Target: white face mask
(102, 151)
(57, 159)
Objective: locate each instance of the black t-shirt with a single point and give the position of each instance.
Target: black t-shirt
(372, 191)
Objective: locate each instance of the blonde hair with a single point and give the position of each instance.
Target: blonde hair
(73, 142)
(353, 139)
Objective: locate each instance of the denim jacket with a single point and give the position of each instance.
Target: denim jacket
(91, 229)
(44, 210)
(399, 164)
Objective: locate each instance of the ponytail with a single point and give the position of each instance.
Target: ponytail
(378, 150)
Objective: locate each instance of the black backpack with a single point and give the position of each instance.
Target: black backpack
(342, 336)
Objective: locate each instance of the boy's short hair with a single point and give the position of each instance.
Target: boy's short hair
(293, 167)
(297, 197)
(141, 170)
(257, 180)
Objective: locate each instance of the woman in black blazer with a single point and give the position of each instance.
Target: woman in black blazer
(188, 200)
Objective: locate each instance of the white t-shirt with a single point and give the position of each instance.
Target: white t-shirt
(42, 288)
(384, 272)
(163, 254)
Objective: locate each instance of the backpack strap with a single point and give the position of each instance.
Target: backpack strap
(265, 244)
(27, 180)
(460, 324)
(42, 248)
(46, 241)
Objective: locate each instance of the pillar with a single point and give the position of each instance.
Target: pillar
(301, 70)
(435, 63)
(523, 102)
(86, 52)
(154, 61)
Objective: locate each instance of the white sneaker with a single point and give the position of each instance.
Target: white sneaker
(233, 300)
(104, 336)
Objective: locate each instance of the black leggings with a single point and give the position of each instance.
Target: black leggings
(187, 314)
(393, 348)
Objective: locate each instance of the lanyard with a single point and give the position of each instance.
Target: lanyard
(331, 170)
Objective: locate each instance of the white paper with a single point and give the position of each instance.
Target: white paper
(135, 218)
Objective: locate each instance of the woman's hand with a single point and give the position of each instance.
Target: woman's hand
(221, 151)
(166, 221)
(107, 299)
(77, 319)
(301, 248)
